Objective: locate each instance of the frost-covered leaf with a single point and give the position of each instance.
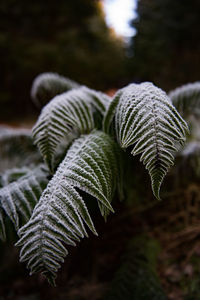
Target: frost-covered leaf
(187, 99)
(98, 100)
(66, 116)
(110, 112)
(47, 85)
(16, 148)
(2, 225)
(61, 214)
(11, 175)
(145, 118)
(18, 198)
(190, 160)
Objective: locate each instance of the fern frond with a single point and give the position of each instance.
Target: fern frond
(16, 148)
(145, 118)
(186, 99)
(11, 175)
(90, 165)
(137, 277)
(18, 198)
(2, 225)
(65, 114)
(47, 85)
(98, 100)
(190, 160)
(68, 114)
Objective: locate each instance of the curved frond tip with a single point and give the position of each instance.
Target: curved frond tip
(186, 99)
(60, 216)
(145, 119)
(47, 85)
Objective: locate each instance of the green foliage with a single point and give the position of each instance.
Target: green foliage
(21, 189)
(145, 118)
(137, 277)
(186, 99)
(79, 134)
(17, 149)
(48, 85)
(67, 115)
(90, 165)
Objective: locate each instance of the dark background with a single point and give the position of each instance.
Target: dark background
(72, 38)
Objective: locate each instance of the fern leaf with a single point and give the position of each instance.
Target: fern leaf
(47, 85)
(145, 118)
(71, 113)
(11, 175)
(90, 165)
(66, 113)
(110, 112)
(187, 99)
(16, 148)
(2, 225)
(98, 100)
(18, 198)
(190, 161)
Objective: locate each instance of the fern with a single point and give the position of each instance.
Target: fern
(19, 194)
(66, 116)
(11, 175)
(137, 279)
(79, 134)
(190, 161)
(17, 149)
(187, 99)
(145, 118)
(90, 165)
(2, 225)
(48, 85)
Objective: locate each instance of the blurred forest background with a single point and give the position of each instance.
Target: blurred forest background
(72, 39)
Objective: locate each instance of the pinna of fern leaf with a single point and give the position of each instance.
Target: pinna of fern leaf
(143, 117)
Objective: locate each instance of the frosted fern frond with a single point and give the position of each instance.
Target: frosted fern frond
(110, 112)
(187, 99)
(64, 114)
(11, 175)
(2, 225)
(47, 85)
(18, 198)
(67, 115)
(145, 118)
(98, 100)
(60, 216)
(16, 148)
(190, 160)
